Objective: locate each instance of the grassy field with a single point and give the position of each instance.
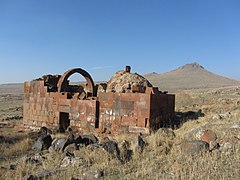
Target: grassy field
(160, 159)
(11, 103)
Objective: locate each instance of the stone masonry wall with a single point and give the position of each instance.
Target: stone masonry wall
(42, 108)
(124, 112)
(109, 112)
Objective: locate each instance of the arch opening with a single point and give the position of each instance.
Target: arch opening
(83, 90)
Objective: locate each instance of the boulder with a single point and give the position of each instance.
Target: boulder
(87, 139)
(206, 135)
(228, 145)
(66, 154)
(111, 147)
(73, 161)
(126, 152)
(43, 143)
(222, 116)
(36, 159)
(71, 148)
(140, 143)
(58, 144)
(93, 174)
(43, 131)
(193, 147)
(192, 134)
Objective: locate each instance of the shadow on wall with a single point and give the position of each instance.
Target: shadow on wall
(182, 117)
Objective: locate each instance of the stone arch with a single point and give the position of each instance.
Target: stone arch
(62, 83)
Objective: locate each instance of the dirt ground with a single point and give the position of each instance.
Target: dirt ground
(215, 109)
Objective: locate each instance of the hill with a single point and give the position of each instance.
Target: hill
(189, 76)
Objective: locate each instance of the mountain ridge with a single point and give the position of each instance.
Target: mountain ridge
(189, 76)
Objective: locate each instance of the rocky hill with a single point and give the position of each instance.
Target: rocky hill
(189, 76)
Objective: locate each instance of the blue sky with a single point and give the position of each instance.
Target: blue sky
(40, 37)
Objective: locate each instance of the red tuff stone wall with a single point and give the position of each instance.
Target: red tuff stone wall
(108, 113)
(51, 109)
(124, 112)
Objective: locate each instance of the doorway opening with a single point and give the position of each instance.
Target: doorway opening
(64, 122)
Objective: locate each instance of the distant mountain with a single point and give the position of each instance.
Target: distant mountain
(189, 76)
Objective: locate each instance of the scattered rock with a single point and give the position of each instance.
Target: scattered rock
(126, 152)
(44, 139)
(89, 139)
(227, 145)
(206, 135)
(73, 161)
(31, 177)
(140, 143)
(59, 144)
(232, 140)
(12, 166)
(193, 147)
(44, 131)
(34, 159)
(222, 116)
(44, 173)
(9, 118)
(71, 148)
(213, 146)
(111, 147)
(78, 140)
(86, 140)
(93, 174)
(40, 174)
(74, 178)
(66, 154)
(235, 126)
(93, 147)
(43, 143)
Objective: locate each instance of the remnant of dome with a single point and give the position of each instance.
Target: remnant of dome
(126, 82)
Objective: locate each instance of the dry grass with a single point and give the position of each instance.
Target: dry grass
(183, 99)
(159, 160)
(10, 106)
(16, 149)
(152, 163)
(13, 144)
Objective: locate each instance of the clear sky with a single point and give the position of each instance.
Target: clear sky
(40, 37)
